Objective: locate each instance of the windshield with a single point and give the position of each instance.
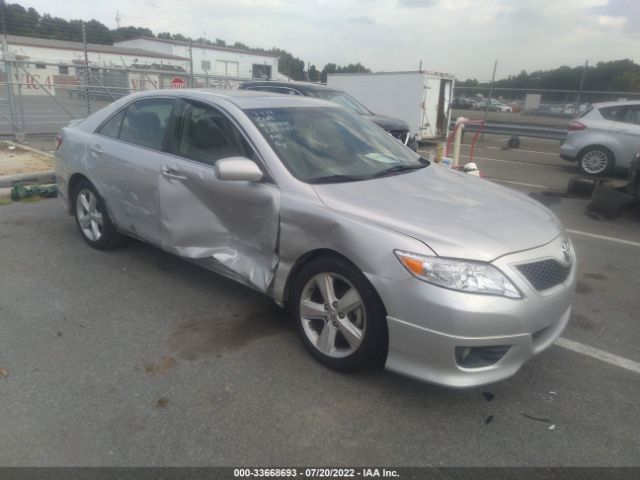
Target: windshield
(342, 99)
(319, 144)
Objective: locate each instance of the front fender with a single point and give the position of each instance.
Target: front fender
(307, 226)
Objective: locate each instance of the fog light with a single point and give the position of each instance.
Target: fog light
(476, 357)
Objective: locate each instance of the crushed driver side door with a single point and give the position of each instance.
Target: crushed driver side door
(227, 226)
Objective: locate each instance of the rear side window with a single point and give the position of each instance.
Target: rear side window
(145, 122)
(633, 115)
(112, 127)
(205, 135)
(616, 114)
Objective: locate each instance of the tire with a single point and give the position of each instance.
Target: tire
(92, 218)
(595, 161)
(633, 187)
(340, 339)
(581, 186)
(514, 142)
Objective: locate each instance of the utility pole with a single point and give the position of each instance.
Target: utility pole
(87, 73)
(420, 67)
(493, 79)
(584, 72)
(191, 62)
(118, 19)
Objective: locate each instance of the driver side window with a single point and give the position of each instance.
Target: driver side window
(205, 135)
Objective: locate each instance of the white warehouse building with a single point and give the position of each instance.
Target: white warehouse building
(213, 60)
(39, 51)
(43, 66)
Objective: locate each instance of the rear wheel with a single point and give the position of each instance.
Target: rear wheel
(596, 161)
(339, 317)
(92, 218)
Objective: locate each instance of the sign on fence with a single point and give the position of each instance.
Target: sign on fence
(35, 81)
(138, 81)
(178, 82)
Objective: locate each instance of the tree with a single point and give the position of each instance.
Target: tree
(127, 33)
(314, 74)
(351, 68)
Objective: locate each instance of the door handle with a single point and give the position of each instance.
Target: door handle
(171, 173)
(96, 150)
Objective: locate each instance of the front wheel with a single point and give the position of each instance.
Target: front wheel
(339, 316)
(92, 218)
(596, 161)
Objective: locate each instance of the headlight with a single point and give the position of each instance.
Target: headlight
(462, 275)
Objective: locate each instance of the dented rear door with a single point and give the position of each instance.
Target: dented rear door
(228, 226)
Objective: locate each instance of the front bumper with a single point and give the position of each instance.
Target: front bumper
(428, 323)
(430, 355)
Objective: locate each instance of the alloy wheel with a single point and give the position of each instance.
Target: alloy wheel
(333, 315)
(595, 161)
(90, 218)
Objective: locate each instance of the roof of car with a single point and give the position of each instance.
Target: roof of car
(302, 86)
(616, 103)
(241, 98)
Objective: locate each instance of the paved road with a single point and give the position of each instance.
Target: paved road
(134, 357)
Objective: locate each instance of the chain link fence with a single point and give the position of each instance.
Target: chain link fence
(536, 107)
(42, 97)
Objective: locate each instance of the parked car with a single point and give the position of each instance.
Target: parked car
(396, 127)
(462, 103)
(604, 137)
(493, 105)
(381, 256)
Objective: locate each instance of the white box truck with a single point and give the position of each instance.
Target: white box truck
(420, 98)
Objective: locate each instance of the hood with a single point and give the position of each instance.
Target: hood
(388, 123)
(455, 214)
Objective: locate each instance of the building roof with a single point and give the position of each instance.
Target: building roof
(221, 48)
(91, 47)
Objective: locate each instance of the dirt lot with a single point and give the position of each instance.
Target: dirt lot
(18, 160)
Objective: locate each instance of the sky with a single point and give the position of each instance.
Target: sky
(462, 37)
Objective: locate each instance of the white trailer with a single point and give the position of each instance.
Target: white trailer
(421, 98)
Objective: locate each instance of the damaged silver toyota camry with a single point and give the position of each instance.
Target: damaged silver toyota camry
(381, 256)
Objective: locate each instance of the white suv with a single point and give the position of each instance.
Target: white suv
(605, 136)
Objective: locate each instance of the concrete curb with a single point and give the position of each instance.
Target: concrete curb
(36, 178)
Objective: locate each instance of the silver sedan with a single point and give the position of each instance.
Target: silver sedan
(381, 256)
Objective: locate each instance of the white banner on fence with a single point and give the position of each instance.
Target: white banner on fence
(140, 81)
(34, 81)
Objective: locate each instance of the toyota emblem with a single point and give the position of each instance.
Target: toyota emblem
(566, 250)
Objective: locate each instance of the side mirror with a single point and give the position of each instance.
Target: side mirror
(238, 169)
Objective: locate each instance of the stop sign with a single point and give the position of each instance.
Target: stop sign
(177, 82)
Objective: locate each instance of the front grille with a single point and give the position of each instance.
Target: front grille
(545, 274)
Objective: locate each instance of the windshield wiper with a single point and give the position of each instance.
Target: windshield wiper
(398, 169)
(338, 178)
